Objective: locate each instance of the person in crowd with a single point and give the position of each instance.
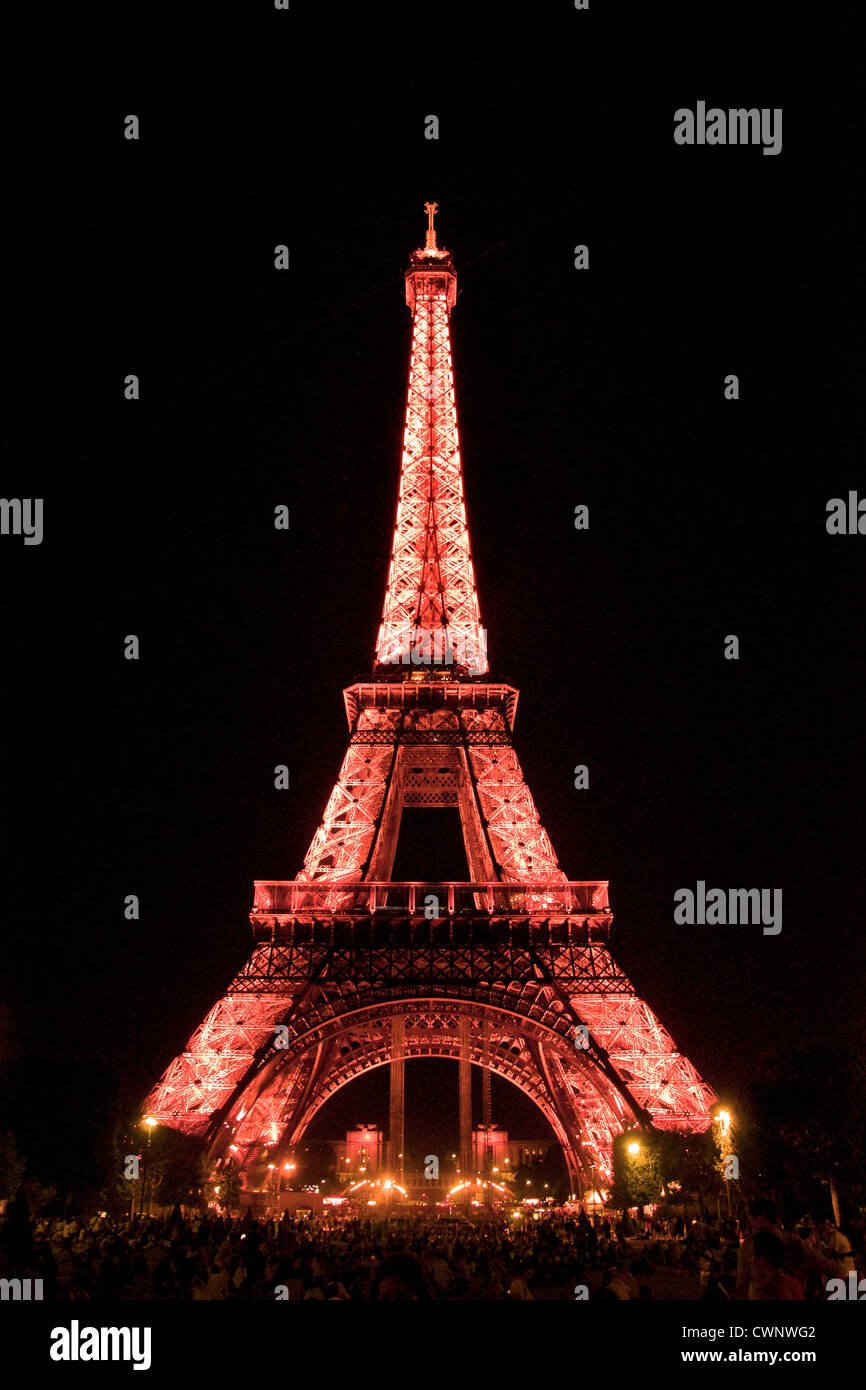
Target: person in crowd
(348, 1255)
(519, 1288)
(770, 1280)
(400, 1278)
(800, 1259)
(836, 1246)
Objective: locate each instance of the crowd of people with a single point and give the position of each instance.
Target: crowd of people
(347, 1256)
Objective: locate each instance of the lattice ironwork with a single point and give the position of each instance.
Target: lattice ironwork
(431, 603)
(510, 970)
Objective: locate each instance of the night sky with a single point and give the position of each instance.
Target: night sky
(258, 387)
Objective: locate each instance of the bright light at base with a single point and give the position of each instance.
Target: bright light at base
(387, 1185)
(461, 1185)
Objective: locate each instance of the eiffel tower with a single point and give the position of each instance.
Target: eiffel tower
(509, 971)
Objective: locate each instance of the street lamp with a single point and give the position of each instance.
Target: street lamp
(723, 1119)
(270, 1182)
(634, 1148)
(149, 1122)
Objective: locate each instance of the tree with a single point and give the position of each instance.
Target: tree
(176, 1176)
(637, 1175)
(666, 1163)
(700, 1172)
(221, 1184)
(40, 1197)
(12, 1167)
(808, 1130)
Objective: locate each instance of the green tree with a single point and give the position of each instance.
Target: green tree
(637, 1176)
(221, 1184)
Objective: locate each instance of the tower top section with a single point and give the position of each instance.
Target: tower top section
(431, 627)
(431, 267)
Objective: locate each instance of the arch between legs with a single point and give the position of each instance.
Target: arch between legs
(276, 1103)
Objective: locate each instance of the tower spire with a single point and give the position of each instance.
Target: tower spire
(431, 210)
(431, 625)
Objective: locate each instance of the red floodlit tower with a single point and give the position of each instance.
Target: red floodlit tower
(349, 969)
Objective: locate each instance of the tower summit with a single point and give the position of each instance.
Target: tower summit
(431, 626)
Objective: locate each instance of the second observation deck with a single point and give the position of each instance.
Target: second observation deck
(452, 898)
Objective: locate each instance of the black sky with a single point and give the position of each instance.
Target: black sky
(603, 387)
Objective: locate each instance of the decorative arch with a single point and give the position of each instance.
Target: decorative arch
(276, 1105)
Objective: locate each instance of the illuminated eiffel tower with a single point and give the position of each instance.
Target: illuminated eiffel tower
(509, 971)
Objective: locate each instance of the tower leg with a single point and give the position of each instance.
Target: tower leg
(466, 1168)
(486, 1105)
(396, 1122)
